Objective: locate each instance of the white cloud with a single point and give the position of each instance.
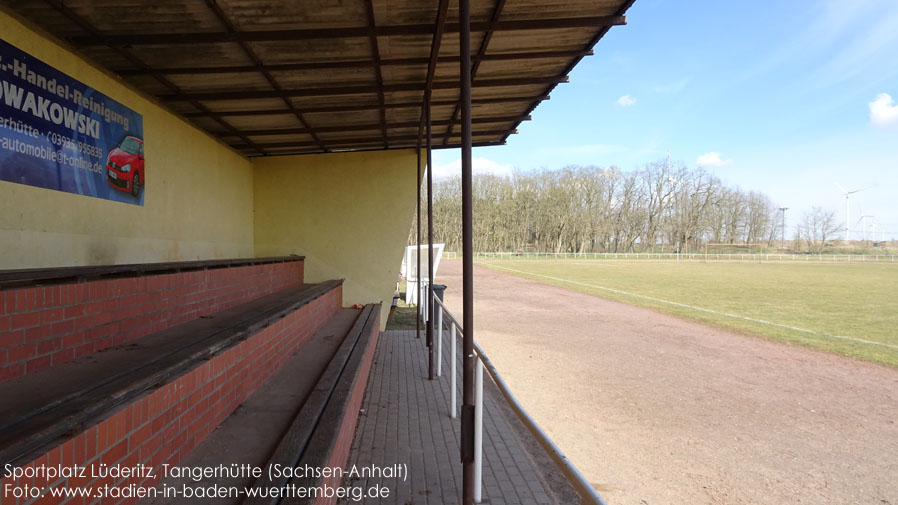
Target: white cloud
(712, 159)
(480, 166)
(883, 111)
(626, 101)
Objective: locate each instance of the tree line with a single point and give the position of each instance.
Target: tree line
(591, 209)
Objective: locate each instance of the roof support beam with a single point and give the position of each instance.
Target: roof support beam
(439, 28)
(132, 39)
(353, 90)
(430, 305)
(260, 67)
(368, 127)
(467, 227)
(418, 254)
(327, 65)
(137, 62)
(395, 139)
(497, 12)
(375, 146)
(364, 107)
(375, 58)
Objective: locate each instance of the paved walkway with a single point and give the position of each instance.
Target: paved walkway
(406, 421)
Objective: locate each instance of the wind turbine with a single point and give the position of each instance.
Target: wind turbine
(864, 219)
(670, 180)
(847, 208)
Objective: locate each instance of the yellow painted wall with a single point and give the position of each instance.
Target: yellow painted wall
(348, 213)
(198, 200)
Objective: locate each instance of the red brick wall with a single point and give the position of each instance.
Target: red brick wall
(340, 454)
(165, 425)
(46, 325)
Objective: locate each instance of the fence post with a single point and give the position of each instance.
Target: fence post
(478, 430)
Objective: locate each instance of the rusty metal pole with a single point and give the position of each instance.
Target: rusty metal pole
(467, 409)
(418, 257)
(430, 304)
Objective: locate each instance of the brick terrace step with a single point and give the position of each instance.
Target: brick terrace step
(54, 315)
(154, 400)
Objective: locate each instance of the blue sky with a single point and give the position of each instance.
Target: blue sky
(787, 97)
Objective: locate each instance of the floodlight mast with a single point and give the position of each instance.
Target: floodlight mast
(666, 181)
(669, 182)
(783, 226)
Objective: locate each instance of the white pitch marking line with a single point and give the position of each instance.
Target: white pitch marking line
(693, 307)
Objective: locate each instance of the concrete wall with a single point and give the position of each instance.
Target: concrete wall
(198, 202)
(347, 213)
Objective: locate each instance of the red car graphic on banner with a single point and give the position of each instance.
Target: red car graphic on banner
(124, 166)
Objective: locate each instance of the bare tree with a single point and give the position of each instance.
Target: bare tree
(593, 209)
(817, 227)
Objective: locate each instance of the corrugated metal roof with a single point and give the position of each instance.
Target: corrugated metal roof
(286, 77)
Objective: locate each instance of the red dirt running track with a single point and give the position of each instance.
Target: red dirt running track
(655, 409)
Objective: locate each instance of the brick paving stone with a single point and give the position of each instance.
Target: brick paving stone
(405, 420)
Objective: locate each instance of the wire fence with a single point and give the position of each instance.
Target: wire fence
(756, 257)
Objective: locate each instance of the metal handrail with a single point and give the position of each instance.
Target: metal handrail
(448, 314)
(588, 494)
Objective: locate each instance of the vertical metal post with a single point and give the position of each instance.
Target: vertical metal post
(425, 314)
(439, 336)
(478, 434)
(453, 372)
(783, 238)
(467, 410)
(418, 255)
(429, 292)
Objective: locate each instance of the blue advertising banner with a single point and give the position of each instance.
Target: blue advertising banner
(58, 133)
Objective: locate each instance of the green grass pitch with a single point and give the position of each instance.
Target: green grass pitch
(847, 308)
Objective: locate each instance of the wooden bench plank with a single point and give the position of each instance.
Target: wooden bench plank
(42, 276)
(318, 451)
(253, 432)
(295, 439)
